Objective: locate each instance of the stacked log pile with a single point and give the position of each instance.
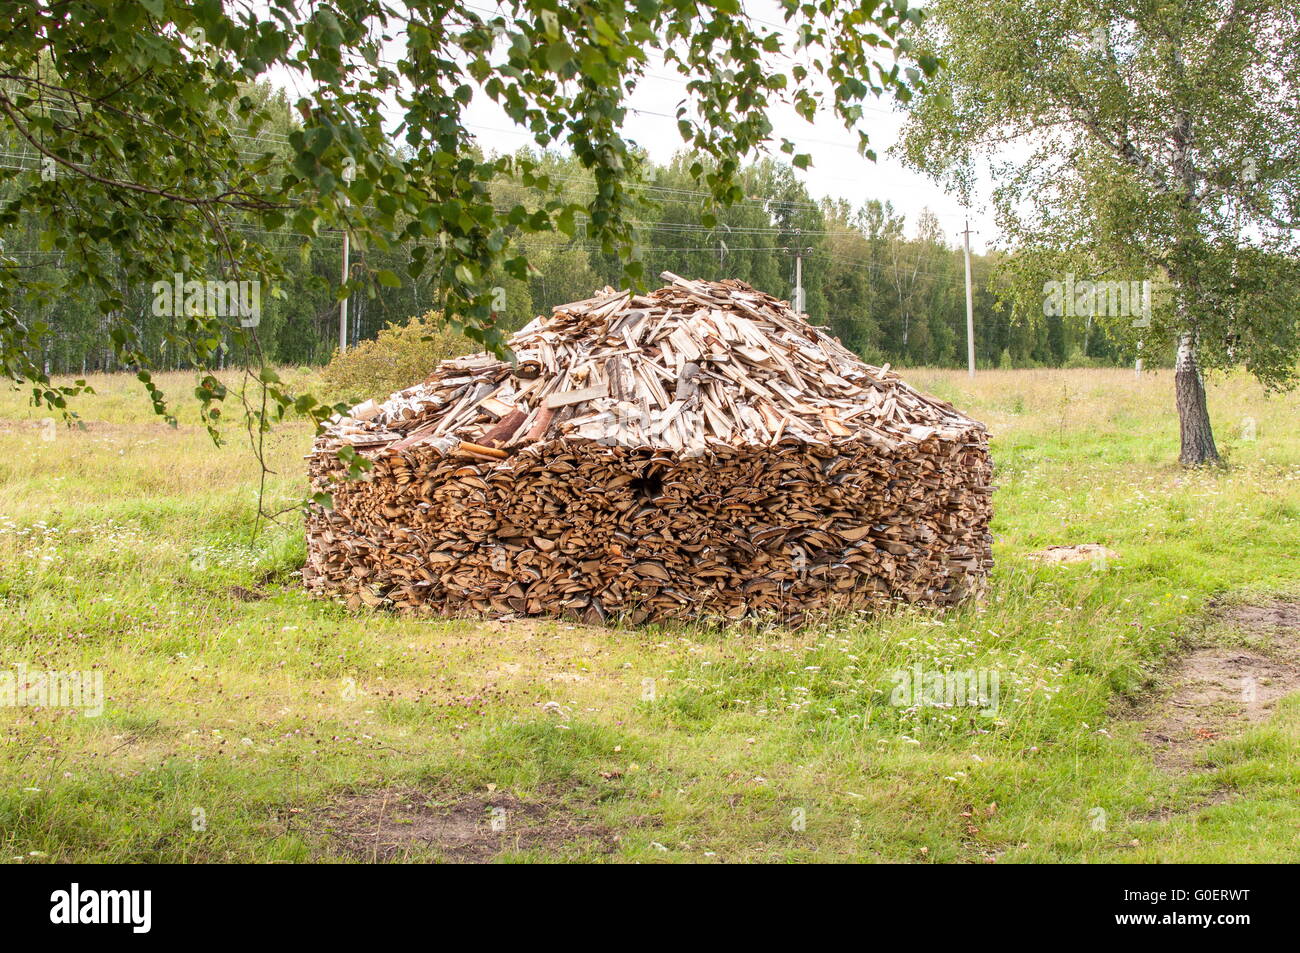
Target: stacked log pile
(698, 451)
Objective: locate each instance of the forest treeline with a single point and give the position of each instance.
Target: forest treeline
(891, 289)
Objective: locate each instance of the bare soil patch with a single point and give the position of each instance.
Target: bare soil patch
(1166, 812)
(395, 824)
(1215, 692)
(1269, 617)
(247, 595)
(1079, 553)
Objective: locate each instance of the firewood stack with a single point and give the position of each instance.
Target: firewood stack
(701, 451)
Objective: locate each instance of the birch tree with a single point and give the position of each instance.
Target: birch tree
(1150, 140)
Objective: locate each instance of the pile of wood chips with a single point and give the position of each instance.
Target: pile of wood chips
(701, 451)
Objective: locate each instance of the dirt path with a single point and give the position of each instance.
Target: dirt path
(1216, 692)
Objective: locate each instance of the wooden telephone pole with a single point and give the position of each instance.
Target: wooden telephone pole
(970, 306)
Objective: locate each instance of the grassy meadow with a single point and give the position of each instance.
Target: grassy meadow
(244, 721)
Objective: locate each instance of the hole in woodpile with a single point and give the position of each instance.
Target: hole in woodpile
(649, 485)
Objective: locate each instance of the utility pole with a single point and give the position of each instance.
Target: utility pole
(970, 307)
(349, 173)
(343, 305)
(798, 273)
(798, 280)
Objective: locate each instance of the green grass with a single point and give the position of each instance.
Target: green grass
(119, 545)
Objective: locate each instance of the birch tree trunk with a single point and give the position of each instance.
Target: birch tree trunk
(1193, 416)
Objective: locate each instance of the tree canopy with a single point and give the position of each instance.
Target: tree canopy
(149, 121)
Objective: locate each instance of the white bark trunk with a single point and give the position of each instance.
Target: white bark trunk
(1196, 435)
